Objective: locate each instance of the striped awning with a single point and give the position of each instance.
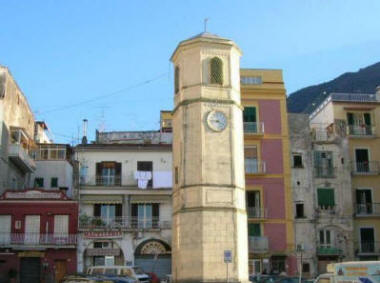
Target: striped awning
(106, 199)
(149, 199)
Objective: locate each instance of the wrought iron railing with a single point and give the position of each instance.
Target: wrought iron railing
(94, 222)
(256, 212)
(324, 171)
(361, 130)
(254, 166)
(367, 247)
(31, 239)
(258, 244)
(367, 209)
(365, 168)
(254, 127)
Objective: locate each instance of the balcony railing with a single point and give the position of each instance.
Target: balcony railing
(256, 212)
(112, 180)
(328, 249)
(93, 222)
(323, 135)
(367, 247)
(36, 239)
(254, 166)
(361, 130)
(367, 209)
(258, 244)
(324, 171)
(21, 157)
(254, 128)
(366, 168)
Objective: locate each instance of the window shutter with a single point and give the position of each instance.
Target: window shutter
(367, 119)
(326, 198)
(99, 168)
(97, 208)
(118, 173)
(155, 210)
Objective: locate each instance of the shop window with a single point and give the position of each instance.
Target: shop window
(278, 264)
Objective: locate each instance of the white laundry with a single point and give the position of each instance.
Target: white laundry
(143, 178)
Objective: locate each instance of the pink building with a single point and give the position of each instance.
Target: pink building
(267, 168)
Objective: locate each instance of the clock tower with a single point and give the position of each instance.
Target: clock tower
(209, 241)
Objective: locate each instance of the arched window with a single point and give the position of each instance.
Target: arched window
(176, 79)
(216, 71)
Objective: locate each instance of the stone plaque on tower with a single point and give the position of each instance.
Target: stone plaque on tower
(209, 216)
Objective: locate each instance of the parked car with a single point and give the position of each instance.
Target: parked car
(263, 278)
(84, 278)
(118, 272)
(289, 280)
(167, 279)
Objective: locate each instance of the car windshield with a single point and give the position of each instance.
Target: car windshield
(111, 271)
(138, 270)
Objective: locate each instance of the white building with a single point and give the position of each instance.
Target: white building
(54, 168)
(125, 201)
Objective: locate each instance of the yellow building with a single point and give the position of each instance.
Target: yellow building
(267, 172)
(356, 119)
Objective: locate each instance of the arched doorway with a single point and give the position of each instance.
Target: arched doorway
(103, 252)
(154, 255)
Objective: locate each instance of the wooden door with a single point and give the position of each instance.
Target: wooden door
(60, 270)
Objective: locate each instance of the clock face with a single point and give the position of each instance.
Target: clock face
(216, 120)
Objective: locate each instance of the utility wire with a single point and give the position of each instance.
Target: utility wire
(105, 95)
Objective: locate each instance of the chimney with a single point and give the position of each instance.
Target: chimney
(84, 138)
(378, 93)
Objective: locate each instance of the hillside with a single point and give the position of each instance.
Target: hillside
(363, 81)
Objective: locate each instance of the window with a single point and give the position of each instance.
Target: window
(254, 230)
(108, 173)
(278, 264)
(297, 161)
(364, 203)
(323, 164)
(250, 160)
(251, 80)
(362, 160)
(5, 229)
(326, 198)
(325, 238)
(176, 79)
(61, 225)
(39, 182)
(250, 120)
(359, 123)
(108, 212)
(253, 204)
(216, 71)
(54, 182)
(145, 215)
(300, 210)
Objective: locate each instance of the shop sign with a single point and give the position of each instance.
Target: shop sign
(103, 235)
(103, 252)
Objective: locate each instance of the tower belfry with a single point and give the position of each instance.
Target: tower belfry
(209, 217)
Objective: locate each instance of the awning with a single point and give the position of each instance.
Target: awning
(106, 199)
(149, 199)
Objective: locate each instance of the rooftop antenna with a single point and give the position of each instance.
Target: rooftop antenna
(205, 24)
(84, 138)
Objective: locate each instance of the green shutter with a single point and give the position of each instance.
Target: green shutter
(350, 118)
(249, 114)
(367, 119)
(254, 230)
(326, 198)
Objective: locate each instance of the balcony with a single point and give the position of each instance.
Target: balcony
(254, 128)
(256, 212)
(258, 244)
(367, 209)
(324, 135)
(123, 223)
(367, 248)
(104, 181)
(324, 172)
(37, 240)
(361, 130)
(20, 157)
(328, 250)
(254, 166)
(366, 168)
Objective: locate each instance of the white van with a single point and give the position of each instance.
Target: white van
(353, 272)
(134, 273)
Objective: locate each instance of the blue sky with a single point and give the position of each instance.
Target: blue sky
(66, 54)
